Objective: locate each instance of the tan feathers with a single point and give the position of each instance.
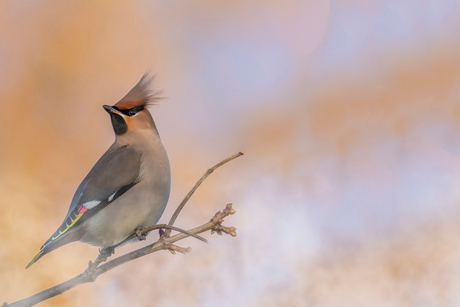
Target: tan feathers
(140, 95)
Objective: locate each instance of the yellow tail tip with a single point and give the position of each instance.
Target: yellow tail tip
(35, 259)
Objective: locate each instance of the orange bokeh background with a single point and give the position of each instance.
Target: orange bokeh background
(348, 113)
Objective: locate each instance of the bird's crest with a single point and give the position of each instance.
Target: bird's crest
(140, 95)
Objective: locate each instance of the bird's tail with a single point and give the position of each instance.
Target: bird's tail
(45, 249)
(56, 240)
(38, 256)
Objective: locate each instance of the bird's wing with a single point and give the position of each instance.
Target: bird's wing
(115, 173)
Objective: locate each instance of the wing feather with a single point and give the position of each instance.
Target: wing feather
(115, 173)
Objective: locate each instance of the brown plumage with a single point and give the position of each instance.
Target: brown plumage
(141, 94)
(127, 188)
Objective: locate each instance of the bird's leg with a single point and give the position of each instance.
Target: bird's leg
(105, 253)
(141, 236)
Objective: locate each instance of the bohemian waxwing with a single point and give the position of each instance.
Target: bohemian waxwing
(129, 185)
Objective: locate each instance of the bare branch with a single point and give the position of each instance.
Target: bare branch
(164, 243)
(208, 172)
(145, 230)
(91, 274)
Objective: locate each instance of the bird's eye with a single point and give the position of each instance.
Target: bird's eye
(131, 112)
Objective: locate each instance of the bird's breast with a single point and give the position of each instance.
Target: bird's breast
(140, 206)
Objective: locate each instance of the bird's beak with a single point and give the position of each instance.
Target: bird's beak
(110, 109)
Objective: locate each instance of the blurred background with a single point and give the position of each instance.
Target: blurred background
(348, 113)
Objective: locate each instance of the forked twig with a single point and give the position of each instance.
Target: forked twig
(208, 172)
(159, 226)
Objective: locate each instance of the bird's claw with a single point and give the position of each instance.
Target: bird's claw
(141, 236)
(105, 253)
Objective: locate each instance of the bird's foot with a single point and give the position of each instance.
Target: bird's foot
(105, 253)
(141, 236)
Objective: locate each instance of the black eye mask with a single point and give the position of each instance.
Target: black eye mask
(132, 111)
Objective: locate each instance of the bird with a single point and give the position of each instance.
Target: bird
(128, 187)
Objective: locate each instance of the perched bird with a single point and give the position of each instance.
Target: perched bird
(128, 187)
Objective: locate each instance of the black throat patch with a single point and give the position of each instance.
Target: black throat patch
(119, 125)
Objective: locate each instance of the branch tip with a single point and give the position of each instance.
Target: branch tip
(228, 230)
(208, 172)
(173, 248)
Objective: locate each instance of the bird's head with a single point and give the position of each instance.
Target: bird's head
(131, 113)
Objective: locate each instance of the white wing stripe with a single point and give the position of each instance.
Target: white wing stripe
(91, 204)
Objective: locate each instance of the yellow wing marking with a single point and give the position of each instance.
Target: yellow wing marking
(35, 259)
(68, 227)
(54, 238)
